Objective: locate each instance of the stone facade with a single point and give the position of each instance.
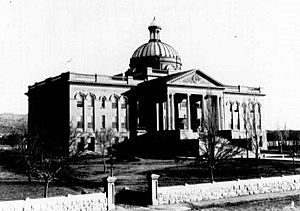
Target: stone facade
(154, 102)
(221, 190)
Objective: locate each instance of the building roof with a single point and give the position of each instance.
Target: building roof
(156, 48)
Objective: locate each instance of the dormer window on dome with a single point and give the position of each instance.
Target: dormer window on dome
(154, 54)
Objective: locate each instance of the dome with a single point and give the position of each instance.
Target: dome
(155, 54)
(156, 48)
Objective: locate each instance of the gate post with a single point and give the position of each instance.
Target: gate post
(110, 193)
(152, 188)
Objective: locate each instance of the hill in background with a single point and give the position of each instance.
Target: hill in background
(10, 122)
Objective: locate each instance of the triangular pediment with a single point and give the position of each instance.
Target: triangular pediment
(195, 78)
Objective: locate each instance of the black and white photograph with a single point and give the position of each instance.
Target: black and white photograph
(149, 105)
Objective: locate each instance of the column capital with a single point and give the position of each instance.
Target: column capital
(111, 179)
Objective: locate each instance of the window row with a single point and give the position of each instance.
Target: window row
(103, 122)
(90, 101)
(245, 116)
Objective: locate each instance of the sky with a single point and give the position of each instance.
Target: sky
(250, 42)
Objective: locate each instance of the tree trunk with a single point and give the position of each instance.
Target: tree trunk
(256, 164)
(46, 187)
(212, 174)
(104, 164)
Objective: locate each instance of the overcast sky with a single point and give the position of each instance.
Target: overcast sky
(254, 43)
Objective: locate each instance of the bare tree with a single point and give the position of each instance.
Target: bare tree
(44, 161)
(282, 136)
(214, 149)
(252, 131)
(105, 140)
(287, 140)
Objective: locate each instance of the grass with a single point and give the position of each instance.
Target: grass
(87, 175)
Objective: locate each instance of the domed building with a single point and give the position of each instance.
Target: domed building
(154, 54)
(154, 107)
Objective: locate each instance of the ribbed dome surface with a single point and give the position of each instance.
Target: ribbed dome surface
(156, 48)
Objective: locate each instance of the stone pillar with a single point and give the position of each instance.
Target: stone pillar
(164, 115)
(168, 116)
(84, 115)
(172, 98)
(153, 188)
(97, 115)
(110, 192)
(203, 110)
(157, 116)
(118, 115)
(218, 112)
(239, 116)
(188, 111)
(127, 116)
(222, 113)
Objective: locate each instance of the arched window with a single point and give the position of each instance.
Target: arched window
(80, 110)
(245, 116)
(252, 115)
(102, 102)
(229, 120)
(258, 116)
(123, 112)
(90, 111)
(236, 116)
(114, 105)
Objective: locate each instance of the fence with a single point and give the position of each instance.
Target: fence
(220, 190)
(86, 202)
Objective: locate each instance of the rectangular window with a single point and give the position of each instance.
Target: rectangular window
(123, 106)
(79, 103)
(114, 122)
(90, 122)
(90, 125)
(183, 104)
(114, 105)
(103, 121)
(123, 125)
(91, 144)
(80, 146)
(80, 122)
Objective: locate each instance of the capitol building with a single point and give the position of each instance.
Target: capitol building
(156, 104)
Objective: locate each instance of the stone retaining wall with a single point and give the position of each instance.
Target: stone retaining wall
(220, 190)
(87, 202)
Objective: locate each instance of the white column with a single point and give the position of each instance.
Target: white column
(218, 112)
(110, 193)
(84, 114)
(157, 116)
(188, 111)
(203, 110)
(173, 111)
(221, 114)
(127, 116)
(164, 115)
(239, 116)
(118, 115)
(168, 113)
(153, 188)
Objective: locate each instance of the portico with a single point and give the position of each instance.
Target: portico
(185, 111)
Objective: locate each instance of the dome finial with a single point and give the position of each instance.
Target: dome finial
(154, 29)
(153, 23)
